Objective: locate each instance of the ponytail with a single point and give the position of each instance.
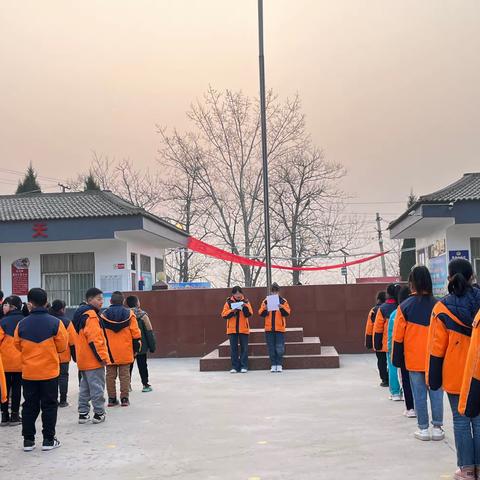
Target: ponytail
(458, 285)
(460, 272)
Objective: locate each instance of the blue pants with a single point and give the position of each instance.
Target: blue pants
(467, 435)
(420, 393)
(239, 362)
(276, 347)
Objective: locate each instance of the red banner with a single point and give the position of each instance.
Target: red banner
(20, 276)
(201, 247)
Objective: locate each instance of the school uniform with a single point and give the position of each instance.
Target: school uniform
(238, 330)
(381, 356)
(275, 327)
(40, 337)
(3, 383)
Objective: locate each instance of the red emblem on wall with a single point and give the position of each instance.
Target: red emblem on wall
(39, 230)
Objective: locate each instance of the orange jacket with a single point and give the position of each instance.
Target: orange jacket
(369, 326)
(91, 345)
(380, 328)
(275, 321)
(469, 404)
(237, 320)
(449, 340)
(12, 358)
(123, 335)
(410, 332)
(3, 383)
(67, 355)
(40, 337)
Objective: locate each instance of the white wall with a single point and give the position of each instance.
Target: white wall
(458, 236)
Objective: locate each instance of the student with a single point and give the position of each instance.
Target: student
(236, 311)
(92, 357)
(58, 310)
(381, 357)
(3, 383)
(148, 340)
(448, 345)
(410, 351)
(275, 327)
(12, 360)
(124, 342)
(40, 337)
(380, 329)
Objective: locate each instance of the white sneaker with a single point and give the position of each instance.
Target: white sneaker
(410, 413)
(233, 370)
(279, 368)
(437, 434)
(243, 370)
(423, 434)
(397, 398)
(273, 369)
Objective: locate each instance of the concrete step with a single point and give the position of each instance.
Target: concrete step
(257, 335)
(309, 346)
(329, 358)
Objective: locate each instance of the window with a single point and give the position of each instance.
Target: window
(67, 276)
(159, 268)
(145, 264)
(475, 249)
(133, 262)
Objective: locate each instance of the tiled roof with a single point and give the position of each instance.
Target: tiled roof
(467, 188)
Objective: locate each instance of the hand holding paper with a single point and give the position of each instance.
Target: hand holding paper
(237, 305)
(273, 303)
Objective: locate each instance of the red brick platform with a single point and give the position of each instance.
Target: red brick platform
(300, 352)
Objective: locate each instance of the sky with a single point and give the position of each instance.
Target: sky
(390, 89)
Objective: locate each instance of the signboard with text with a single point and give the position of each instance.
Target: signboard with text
(453, 254)
(20, 269)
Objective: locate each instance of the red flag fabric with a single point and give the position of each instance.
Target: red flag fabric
(206, 249)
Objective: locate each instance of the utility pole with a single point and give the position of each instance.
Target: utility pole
(64, 187)
(263, 121)
(380, 244)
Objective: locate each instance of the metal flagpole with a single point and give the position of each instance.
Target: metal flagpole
(263, 120)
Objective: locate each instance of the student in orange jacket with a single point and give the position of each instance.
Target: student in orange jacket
(380, 328)
(12, 360)
(381, 356)
(92, 357)
(410, 337)
(124, 342)
(3, 383)
(40, 337)
(448, 345)
(275, 327)
(236, 312)
(58, 310)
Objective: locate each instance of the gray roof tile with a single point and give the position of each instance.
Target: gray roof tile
(466, 188)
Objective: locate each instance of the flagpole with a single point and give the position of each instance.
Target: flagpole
(263, 121)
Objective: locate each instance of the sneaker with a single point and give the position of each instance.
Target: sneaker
(147, 388)
(83, 418)
(28, 445)
(410, 413)
(397, 398)
(112, 402)
(50, 445)
(423, 434)
(98, 418)
(5, 420)
(279, 368)
(243, 370)
(63, 404)
(233, 370)
(125, 402)
(273, 369)
(384, 384)
(465, 473)
(438, 434)
(15, 420)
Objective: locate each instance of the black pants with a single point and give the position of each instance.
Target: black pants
(407, 389)
(39, 395)
(142, 368)
(239, 361)
(63, 381)
(14, 391)
(382, 366)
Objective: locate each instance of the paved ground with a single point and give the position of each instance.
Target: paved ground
(302, 424)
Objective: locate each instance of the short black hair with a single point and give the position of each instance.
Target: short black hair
(14, 301)
(403, 294)
(392, 290)
(236, 289)
(37, 297)
(275, 287)
(1, 295)
(131, 301)
(382, 296)
(421, 280)
(92, 292)
(57, 305)
(117, 298)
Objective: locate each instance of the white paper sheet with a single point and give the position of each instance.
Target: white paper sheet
(237, 305)
(273, 303)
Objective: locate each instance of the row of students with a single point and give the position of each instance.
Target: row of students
(237, 310)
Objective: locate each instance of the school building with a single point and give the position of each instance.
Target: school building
(68, 242)
(445, 225)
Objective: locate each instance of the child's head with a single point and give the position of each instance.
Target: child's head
(392, 290)
(403, 294)
(117, 298)
(275, 289)
(381, 296)
(132, 302)
(420, 281)
(237, 293)
(460, 276)
(58, 307)
(94, 297)
(12, 303)
(37, 297)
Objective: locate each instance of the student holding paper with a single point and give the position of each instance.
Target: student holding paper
(236, 311)
(275, 310)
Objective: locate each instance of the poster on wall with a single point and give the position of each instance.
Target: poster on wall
(453, 254)
(438, 271)
(20, 269)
